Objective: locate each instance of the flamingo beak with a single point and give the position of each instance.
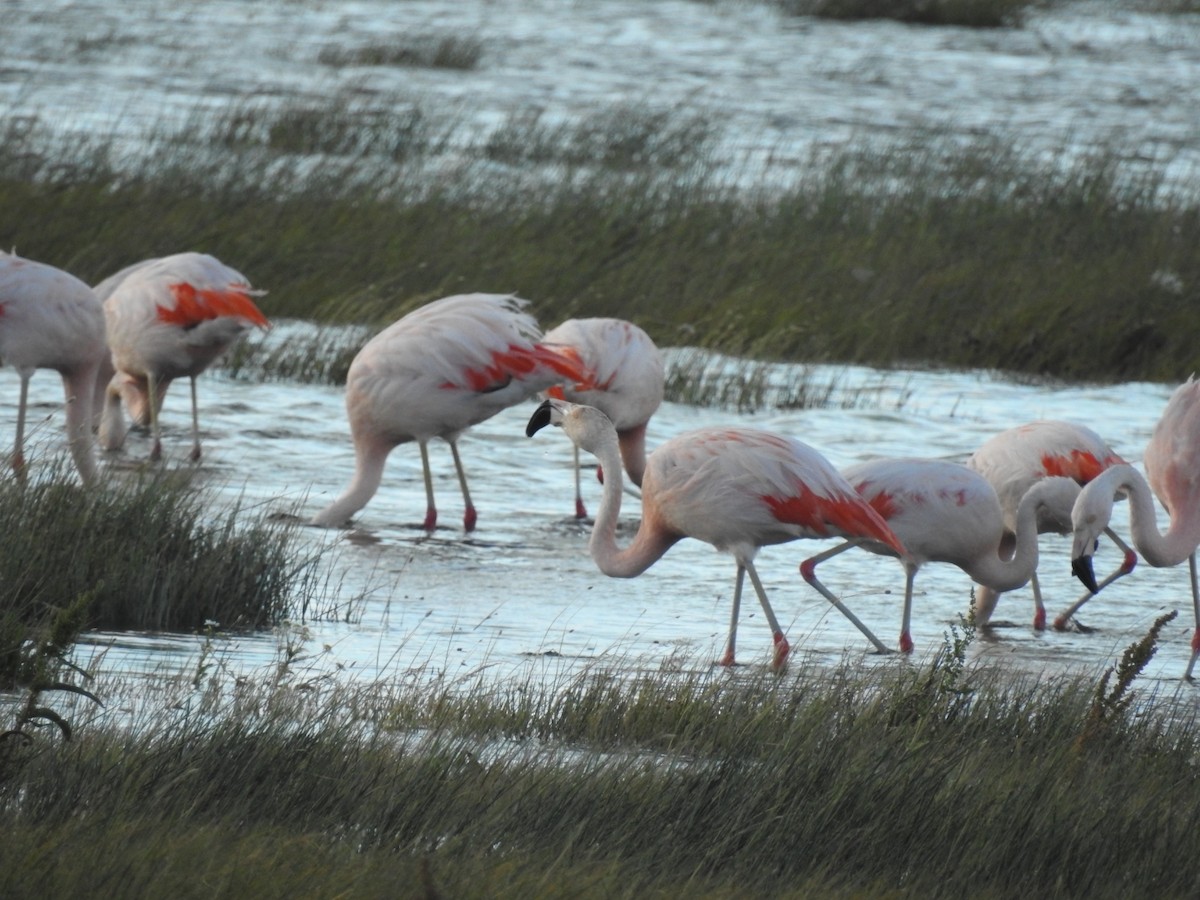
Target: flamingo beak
(1081, 567)
(539, 420)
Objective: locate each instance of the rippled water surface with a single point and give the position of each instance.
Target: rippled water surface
(520, 596)
(1078, 78)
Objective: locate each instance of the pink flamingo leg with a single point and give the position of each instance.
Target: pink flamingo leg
(469, 516)
(728, 658)
(430, 522)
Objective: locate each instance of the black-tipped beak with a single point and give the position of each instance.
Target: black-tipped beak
(539, 420)
(1082, 569)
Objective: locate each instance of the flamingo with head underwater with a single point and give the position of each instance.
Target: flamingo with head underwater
(168, 318)
(1172, 461)
(628, 383)
(49, 319)
(945, 512)
(442, 368)
(738, 489)
(1016, 459)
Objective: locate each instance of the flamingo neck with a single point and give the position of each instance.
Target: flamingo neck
(1159, 549)
(650, 542)
(632, 443)
(369, 458)
(1000, 574)
(79, 386)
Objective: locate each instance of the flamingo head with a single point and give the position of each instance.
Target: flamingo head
(1089, 517)
(587, 426)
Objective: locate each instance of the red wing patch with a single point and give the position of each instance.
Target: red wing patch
(1078, 464)
(851, 516)
(517, 362)
(194, 306)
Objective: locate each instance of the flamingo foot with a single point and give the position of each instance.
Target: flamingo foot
(727, 660)
(195, 454)
(580, 509)
(780, 653)
(18, 464)
(1129, 563)
(1187, 676)
(1060, 623)
(1039, 621)
(469, 519)
(600, 474)
(156, 451)
(906, 643)
(430, 523)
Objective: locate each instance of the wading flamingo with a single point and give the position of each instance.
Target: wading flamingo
(1172, 460)
(628, 373)
(738, 489)
(1016, 459)
(434, 373)
(49, 319)
(168, 318)
(946, 512)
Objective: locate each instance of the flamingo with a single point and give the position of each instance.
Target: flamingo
(168, 318)
(436, 372)
(1016, 459)
(946, 512)
(1172, 460)
(738, 489)
(629, 375)
(50, 320)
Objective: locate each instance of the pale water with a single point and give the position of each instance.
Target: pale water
(520, 597)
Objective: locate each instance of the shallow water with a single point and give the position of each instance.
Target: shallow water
(520, 597)
(1079, 78)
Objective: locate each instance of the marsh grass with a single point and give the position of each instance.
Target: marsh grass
(147, 553)
(967, 13)
(436, 51)
(702, 378)
(607, 783)
(980, 256)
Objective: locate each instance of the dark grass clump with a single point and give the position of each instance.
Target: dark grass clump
(431, 51)
(146, 554)
(967, 13)
(616, 784)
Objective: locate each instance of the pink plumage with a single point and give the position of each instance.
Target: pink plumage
(945, 512)
(738, 489)
(168, 318)
(627, 375)
(1015, 460)
(50, 319)
(1172, 460)
(442, 368)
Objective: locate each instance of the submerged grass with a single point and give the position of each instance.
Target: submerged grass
(610, 785)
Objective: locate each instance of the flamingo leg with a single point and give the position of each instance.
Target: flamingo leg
(808, 569)
(728, 658)
(1128, 562)
(18, 458)
(906, 641)
(430, 507)
(152, 392)
(1039, 606)
(780, 652)
(195, 424)
(1196, 611)
(580, 509)
(468, 507)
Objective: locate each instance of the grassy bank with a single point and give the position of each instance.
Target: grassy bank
(921, 780)
(974, 256)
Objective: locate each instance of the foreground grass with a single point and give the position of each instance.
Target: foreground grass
(919, 780)
(976, 256)
(144, 553)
